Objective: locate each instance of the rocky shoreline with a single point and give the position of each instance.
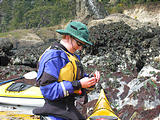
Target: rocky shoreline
(126, 51)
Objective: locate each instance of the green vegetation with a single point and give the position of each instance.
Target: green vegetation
(117, 6)
(44, 33)
(16, 34)
(27, 14)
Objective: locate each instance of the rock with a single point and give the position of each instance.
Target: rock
(147, 71)
(88, 108)
(123, 40)
(133, 98)
(5, 47)
(117, 17)
(4, 59)
(30, 39)
(88, 10)
(29, 56)
(148, 13)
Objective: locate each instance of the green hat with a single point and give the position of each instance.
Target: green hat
(77, 30)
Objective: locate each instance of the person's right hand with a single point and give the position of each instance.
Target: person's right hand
(87, 82)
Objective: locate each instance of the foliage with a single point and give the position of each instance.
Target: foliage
(47, 15)
(119, 5)
(117, 9)
(5, 10)
(19, 14)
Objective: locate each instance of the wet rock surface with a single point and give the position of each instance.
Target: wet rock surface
(126, 52)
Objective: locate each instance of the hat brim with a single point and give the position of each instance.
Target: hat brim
(65, 32)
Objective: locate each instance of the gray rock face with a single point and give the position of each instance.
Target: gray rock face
(96, 9)
(88, 10)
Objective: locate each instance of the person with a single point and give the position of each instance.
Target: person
(61, 76)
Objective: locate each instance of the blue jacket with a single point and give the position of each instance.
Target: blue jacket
(50, 65)
(59, 93)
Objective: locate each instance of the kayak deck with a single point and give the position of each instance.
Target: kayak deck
(20, 94)
(30, 92)
(102, 109)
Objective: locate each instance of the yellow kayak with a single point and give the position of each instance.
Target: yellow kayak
(20, 94)
(17, 101)
(15, 115)
(102, 109)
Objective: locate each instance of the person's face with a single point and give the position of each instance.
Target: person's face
(78, 44)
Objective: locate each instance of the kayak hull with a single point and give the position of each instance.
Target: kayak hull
(37, 102)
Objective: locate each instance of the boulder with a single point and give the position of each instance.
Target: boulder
(88, 10)
(122, 39)
(5, 47)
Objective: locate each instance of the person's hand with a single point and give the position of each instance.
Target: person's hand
(97, 75)
(87, 82)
